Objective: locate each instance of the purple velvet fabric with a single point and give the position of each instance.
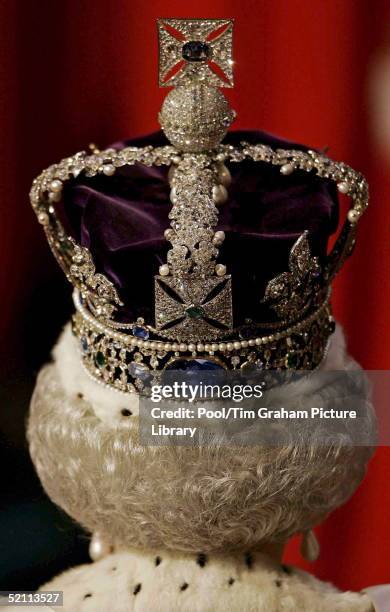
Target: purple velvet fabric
(121, 219)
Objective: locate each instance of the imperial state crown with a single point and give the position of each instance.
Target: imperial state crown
(198, 248)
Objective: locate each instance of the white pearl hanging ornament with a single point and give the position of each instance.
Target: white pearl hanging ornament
(224, 175)
(168, 234)
(99, 547)
(173, 195)
(43, 218)
(353, 216)
(56, 185)
(287, 169)
(220, 270)
(55, 196)
(164, 270)
(219, 237)
(108, 169)
(220, 194)
(171, 173)
(343, 187)
(310, 548)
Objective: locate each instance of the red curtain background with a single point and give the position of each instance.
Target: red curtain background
(77, 71)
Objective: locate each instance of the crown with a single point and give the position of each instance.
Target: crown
(197, 320)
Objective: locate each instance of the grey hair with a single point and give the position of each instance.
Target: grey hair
(190, 499)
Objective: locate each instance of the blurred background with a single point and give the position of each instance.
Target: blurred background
(79, 71)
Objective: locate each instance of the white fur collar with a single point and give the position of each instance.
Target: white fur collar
(159, 581)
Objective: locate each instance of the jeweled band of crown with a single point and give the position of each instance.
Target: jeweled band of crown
(194, 321)
(129, 363)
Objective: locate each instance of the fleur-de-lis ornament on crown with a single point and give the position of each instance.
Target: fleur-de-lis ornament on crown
(193, 298)
(289, 293)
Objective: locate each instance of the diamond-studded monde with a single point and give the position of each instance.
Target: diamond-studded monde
(195, 118)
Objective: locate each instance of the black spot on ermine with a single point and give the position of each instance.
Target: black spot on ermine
(137, 588)
(125, 412)
(201, 559)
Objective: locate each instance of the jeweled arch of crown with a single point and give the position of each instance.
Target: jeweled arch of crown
(193, 299)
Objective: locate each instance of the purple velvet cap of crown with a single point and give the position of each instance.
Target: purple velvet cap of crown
(121, 220)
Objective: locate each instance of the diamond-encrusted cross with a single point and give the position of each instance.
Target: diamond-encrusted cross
(193, 309)
(198, 49)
